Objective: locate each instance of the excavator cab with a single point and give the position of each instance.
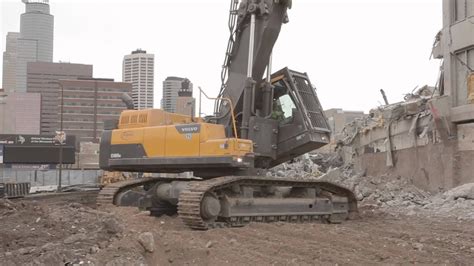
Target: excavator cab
(296, 122)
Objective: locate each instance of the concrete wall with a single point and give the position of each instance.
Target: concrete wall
(433, 164)
(434, 167)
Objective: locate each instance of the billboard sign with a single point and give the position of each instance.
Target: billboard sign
(38, 149)
(37, 140)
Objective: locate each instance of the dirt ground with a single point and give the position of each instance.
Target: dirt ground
(68, 229)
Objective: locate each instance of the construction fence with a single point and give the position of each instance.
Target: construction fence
(50, 177)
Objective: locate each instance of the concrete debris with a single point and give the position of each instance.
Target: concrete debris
(6, 205)
(94, 249)
(465, 191)
(112, 226)
(418, 246)
(399, 196)
(75, 238)
(393, 194)
(147, 241)
(301, 167)
(63, 232)
(48, 247)
(209, 244)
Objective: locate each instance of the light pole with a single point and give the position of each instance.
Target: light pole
(2, 113)
(60, 142)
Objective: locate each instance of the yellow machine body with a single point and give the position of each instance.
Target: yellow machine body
(159, 134)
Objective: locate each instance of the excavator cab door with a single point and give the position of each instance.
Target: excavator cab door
(302, 126)
(295, 123)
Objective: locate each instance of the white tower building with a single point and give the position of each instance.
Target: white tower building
(138, 69)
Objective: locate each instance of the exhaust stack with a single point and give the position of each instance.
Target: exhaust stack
(128, 101)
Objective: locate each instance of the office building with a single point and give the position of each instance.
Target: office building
(43, 78)
(34, 43)
(171, 87)
(20, 113)
(185, 103)
(88, 103)
(10, 61)
(138, 69)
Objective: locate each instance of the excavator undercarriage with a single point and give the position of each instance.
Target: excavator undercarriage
(234, 201)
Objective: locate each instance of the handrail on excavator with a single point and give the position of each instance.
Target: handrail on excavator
(224, 99)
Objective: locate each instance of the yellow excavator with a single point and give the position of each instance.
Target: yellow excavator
(259, 122)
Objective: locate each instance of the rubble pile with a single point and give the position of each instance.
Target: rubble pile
(457, 202)
(392, 194)
(41, 234)
(382, 191)
(398, 195)
(301, 167)
(6, 207)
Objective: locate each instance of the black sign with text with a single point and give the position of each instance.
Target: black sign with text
(36, 140)
(37, 149)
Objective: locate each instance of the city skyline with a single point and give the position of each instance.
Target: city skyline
(365, 35)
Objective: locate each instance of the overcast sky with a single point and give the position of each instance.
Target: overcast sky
(350, 49)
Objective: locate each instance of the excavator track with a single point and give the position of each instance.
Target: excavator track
(106, 197)
(189, 206)
(191, 199)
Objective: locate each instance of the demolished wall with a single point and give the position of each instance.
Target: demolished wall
(414, 139)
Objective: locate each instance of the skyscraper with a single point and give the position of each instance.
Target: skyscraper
(34, 43)
(138, 69)
(171, 87)
(10, 61)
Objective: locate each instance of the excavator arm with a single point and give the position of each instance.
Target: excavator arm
(257, 101)
(256, 32)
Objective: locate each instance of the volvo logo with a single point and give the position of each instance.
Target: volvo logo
(188, 129)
